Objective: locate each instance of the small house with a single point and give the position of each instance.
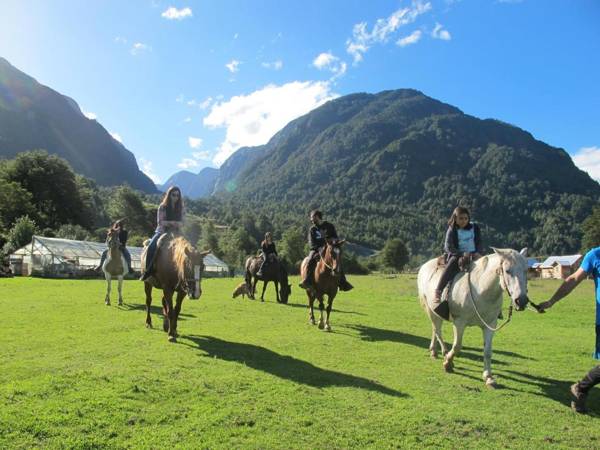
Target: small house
(559, 267)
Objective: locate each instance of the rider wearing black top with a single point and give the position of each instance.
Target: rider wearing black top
(269, 252)
(318, 235)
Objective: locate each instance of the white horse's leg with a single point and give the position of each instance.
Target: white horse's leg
(108, 279)
(459, 330)
(436, 334)
(488, 335)
(120, 288)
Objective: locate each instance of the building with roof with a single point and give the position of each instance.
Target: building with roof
(53, 257)
(559, 267)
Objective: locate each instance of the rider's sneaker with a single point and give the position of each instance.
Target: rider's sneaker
(443, 310)
(305, 284)
(578, 405)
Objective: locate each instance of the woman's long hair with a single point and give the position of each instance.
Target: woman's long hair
(457, 212)
(174, 209)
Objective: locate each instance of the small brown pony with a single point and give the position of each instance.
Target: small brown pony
(178, 269)
(114, 265)
(326, 279)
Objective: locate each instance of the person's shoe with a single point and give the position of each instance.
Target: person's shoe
(259, 274)
(145, 276)
(578, 405)
(443, 310)
(305, 284)
(345, 286)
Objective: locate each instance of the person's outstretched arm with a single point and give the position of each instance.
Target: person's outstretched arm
(570, 283)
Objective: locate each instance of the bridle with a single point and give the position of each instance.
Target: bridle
(325, 262)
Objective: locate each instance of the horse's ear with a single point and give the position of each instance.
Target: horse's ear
(496, 250)
(342, 242)
(523, 252)
(204, 253)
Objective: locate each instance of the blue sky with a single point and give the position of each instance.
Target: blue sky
(183, 84)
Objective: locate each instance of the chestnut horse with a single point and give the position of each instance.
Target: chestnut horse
(326, 280)
(178, 270)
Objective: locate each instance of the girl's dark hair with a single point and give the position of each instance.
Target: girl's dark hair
(173, 210)
(457, 212)
(316, 212)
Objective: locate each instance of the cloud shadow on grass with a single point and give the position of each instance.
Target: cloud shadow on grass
(282, 366)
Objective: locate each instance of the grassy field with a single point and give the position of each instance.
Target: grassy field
(75, 373)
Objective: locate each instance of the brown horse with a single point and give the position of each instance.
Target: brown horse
(326, 279)
(274, 272)
(177, 270)
(114, 265)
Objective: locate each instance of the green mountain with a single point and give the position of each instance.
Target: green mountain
(33, 116)
(193, 185)
(396, 163)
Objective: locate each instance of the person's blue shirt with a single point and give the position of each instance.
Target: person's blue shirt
(591, 266)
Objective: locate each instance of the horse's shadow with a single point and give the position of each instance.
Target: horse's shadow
(154, 309)
(286, 367)
(333, 310)
(378, 334)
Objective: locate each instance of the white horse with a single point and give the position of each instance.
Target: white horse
(115, 264)
(476, 300)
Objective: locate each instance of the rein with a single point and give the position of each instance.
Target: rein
(510, 308)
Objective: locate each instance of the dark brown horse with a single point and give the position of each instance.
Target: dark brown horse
(274, 272)
(177, 270)
(326, 279)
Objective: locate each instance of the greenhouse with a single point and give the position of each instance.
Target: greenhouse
(53, 257)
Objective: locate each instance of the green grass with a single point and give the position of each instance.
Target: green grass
(75, 373)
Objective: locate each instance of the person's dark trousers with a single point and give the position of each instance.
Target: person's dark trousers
(343, 283)
(590, 380)
(127, 256)
(150, 255)
(449, 272)
(310, 270)
(102, 259)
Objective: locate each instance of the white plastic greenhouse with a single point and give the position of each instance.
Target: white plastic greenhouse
(52, 257)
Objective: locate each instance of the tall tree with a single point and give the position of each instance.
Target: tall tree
(127, 203)
(591, 231)
(20, 234)
(395, 254)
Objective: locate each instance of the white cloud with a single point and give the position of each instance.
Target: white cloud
(120, 40)
(327, 61)
(412, 38)
(206, 103)
(588, 159)
(146, 167)
(233, 66)
(191, 102)
(275, 65)
(90, 115)
(173, 13)
(194, 142)
(188, 163)
(139, 47)
(362, 39)
(179, 98)
(254, 118)
(236, 35)
(187, 119)
(205, 155)
(439, 33)
(116, 136)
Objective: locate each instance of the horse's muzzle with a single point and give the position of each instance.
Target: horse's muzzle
(521, 303)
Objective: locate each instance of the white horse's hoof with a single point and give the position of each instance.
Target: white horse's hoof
(491, 383)
(107, 302)
(327, 327)
(448, 366)
(433, 354)
(172, 339)
(321, 325)
(312, 321)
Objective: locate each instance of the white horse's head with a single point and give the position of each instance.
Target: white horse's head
(513, 275)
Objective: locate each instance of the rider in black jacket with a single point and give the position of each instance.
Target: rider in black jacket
(318, 235)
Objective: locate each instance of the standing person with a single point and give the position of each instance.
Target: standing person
(461, 245)
(319, 232)
(589, 266)
(123, 236)
(269, 252)
(169, 217)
